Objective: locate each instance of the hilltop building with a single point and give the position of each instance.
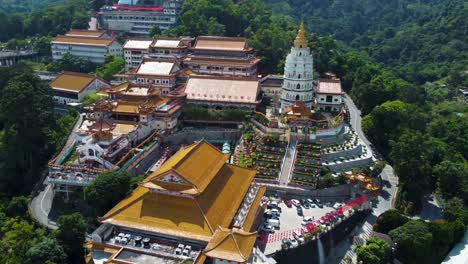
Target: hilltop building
(223, 56)
(176, 48)
(134, 50)
(110, 136)
(298, 77)
(222, 92)
(71, 87)
(136, 19)
(271, 85)
(328, 94)
(90, 45)
(195, 207)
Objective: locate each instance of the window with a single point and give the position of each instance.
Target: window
(297, 97)
(298, 86)
(299, 76)
(329, 98)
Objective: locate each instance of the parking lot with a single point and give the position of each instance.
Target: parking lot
(290, 221)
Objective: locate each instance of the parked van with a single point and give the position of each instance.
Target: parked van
(274, 222)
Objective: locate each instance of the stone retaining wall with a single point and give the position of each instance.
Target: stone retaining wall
(355, 151)
(349, 164)
(344, 191)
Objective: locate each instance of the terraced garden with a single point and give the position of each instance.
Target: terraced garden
(264, 153)
(307, 165)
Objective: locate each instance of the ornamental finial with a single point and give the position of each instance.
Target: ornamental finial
(300, 41)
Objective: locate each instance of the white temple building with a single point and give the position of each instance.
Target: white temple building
(298, 73)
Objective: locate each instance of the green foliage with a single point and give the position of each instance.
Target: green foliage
(71, 235)
(107, 190)
(376, 251)
(414, 242)
(155, 31)
(73, 63)
(91, 98)
(18, 236)
(50, 21)
(18, 206)
(27, 118)
(389, 220)
(47, 251)
(452, 179)
(455, 211)
(112, 65)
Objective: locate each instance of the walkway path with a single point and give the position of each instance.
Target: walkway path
(384, 202)
(41, 205)
(288, 163)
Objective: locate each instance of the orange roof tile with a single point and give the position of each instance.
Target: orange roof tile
(88, 41)
(85, 33)
(221, 44)
(72, 81)
(193, 218)
(196, 164)
(250, 217)
(231, 244)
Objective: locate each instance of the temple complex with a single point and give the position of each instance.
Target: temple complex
(222, 92)
(195, 207)
(110, 136)
(224, 56)
(328, 95)
(298, 77)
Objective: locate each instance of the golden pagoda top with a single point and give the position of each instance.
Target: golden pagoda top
(301, 41)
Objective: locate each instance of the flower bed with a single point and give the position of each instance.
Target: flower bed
(309, 147)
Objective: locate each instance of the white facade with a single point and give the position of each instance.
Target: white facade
(329, 102)
(94, 53)
(139, 22)
(298, 74)
(134, 51)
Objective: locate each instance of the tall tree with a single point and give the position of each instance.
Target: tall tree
(71, 235)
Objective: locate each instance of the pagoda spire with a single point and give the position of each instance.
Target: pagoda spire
(301, 41)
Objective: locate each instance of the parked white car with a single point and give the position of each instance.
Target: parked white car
(293, 241)
(299, 237)
(296, 202)
(337, 205)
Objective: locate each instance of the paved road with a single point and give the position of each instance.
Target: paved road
(288, 164)
(430, 209)
(383, 203)
(41, 205)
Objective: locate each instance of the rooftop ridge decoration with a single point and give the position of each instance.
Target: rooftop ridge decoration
(175, 168)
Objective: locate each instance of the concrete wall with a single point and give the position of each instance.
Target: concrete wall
(188, 136)
(349, 164)
(355, 151)
(150, 158)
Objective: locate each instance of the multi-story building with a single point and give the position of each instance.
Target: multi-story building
(109, 135)
(94, 49)
(298, 71)
(222, 56)
(194, 208)
(71, 87)
(137, 19)
(171, 47)
(271, 86)
(134, 50)
(160, 73)
(328, 95)
(88, 33)
(222, 92)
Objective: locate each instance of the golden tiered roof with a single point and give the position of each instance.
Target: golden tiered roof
(216, 192)
(301, 40)
(231, 244)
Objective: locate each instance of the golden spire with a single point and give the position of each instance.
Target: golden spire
(300, 41)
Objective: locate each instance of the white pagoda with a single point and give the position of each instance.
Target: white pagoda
(298, 71)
